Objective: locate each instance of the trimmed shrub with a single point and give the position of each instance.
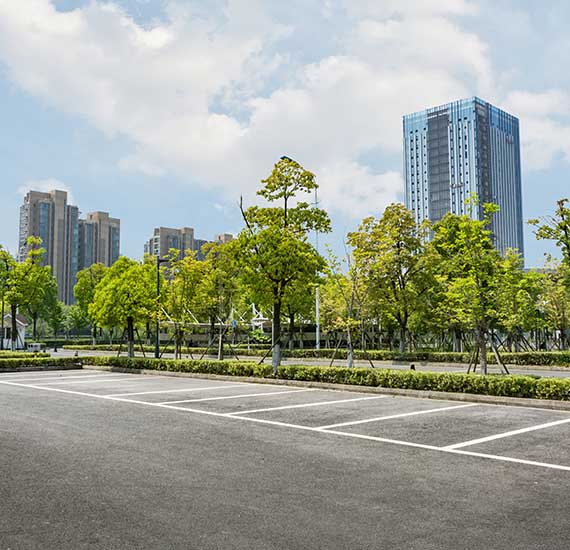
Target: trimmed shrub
(499, 385)
(21, 355)
(63, 362)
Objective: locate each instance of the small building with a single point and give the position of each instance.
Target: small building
(6, 332)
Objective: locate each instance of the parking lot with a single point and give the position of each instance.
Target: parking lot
(100, 459)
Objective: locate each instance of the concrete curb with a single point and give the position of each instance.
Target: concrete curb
(447, 396)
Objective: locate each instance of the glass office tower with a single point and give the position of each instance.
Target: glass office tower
(463, 148)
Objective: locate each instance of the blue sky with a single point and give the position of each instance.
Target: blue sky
(163, 112)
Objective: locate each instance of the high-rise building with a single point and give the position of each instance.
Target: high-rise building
(223, 238)
(165, 238)
(48, 216)
(468, 147)
(183, 239)
(99, 239)
(71, 244)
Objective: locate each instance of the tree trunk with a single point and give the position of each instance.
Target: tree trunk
(94, 334)
(177, 343)
(212, 332)
(276, 336)
(221, 344)
(482, 337)
(13, 312)
(402, 339)
(350, 350)
(148, 337)
(457, 347)
(34, 327)
(291, 329)
(131, 336)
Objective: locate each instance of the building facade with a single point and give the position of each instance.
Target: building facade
(183, 239)
(48, 216)
(71, 244)
(468, 147)
(99, 239)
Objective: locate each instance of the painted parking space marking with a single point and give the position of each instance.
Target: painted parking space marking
(392, 416)
(121, 379)
(302, 405)
(507, 434)
(179, 390)
(76, 379)
(297, 426)
(238, 396)
(57, 378)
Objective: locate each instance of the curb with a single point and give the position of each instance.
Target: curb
(422, 394)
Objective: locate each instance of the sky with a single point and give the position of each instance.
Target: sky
(165, 112)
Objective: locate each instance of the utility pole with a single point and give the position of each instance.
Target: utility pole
(317, 293)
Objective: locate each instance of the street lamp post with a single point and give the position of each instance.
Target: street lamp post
(317, 293)
(159, 261)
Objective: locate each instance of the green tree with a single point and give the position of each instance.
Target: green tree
(56, 317)
(125, 297)
(181, 302)
(274, 246)
(42, 292)
(389, 253)
(518, 297)
(556, 228)
(22, 290)
(75, 319)
(6, 265)
(469, 268)
(556, 299)
(219, 286)
(84, 291)
(299, 303)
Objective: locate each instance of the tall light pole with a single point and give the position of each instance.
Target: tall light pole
(317, 293)
(159, 261)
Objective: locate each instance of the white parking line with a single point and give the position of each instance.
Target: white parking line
(39, 373)
(508, 434)
(39, 379)
(317, 404)
(125, 378)
(299, 427)
(193, 388)
(391, 416)
(239, 396)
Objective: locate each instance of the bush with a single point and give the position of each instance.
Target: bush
(230, 368)
(61, 362)
(498, 385)
(21, 355)
(541, 358)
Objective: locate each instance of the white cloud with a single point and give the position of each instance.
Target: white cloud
(197, 94)
(46, 185)
(544, 134)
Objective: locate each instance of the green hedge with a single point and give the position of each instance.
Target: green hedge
(231, 368)
(21, 355)
(40, 362)
(506, 386)
(546, 358)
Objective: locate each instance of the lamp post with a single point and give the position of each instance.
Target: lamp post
(159, 261)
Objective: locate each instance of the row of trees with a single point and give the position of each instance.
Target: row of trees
(441, 284)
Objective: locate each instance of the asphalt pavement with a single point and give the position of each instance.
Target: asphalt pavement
(112, 461)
